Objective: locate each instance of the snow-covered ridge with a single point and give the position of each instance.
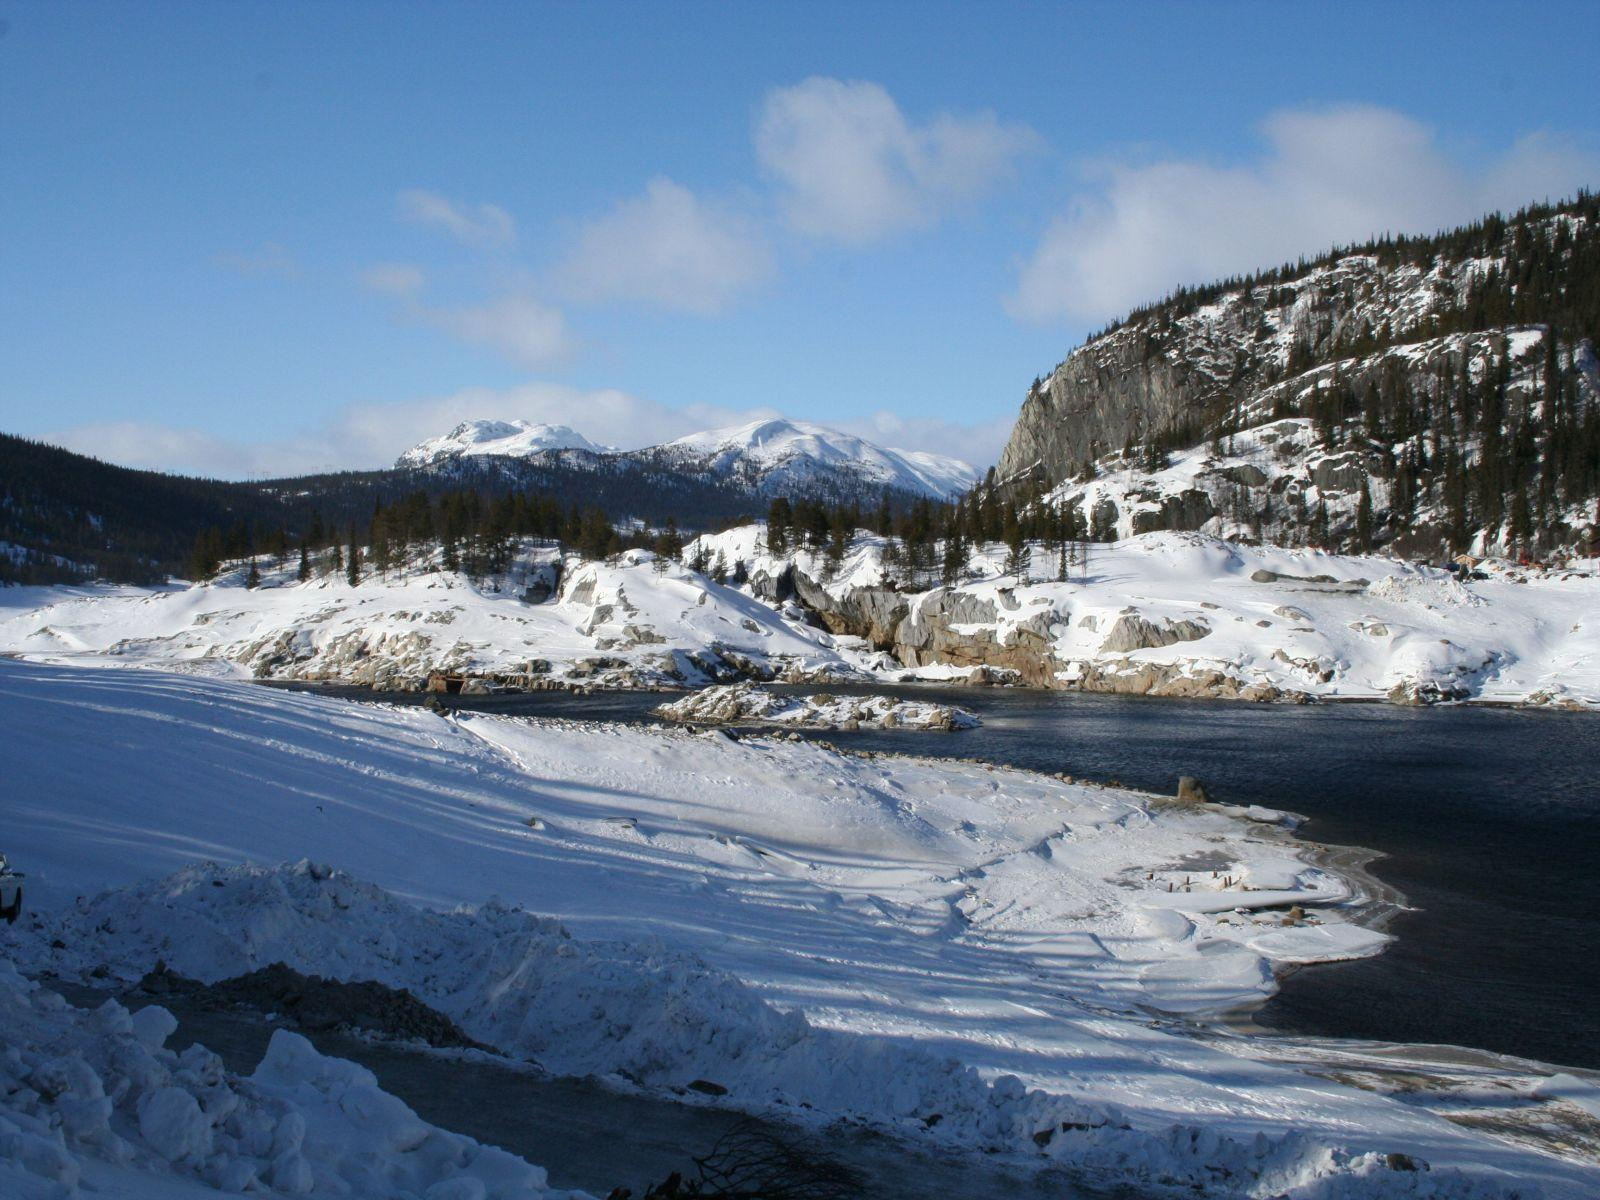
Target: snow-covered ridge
(770, 457)
(780, 454)
(1160, 613)
(505, 439)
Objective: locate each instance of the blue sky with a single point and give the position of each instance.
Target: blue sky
(245, 239)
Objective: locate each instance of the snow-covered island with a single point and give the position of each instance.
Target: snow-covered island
(746, 704)
(964, 957)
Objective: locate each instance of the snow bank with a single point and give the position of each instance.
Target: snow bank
(1162, 613)
(93, 1102)
(641, 1011)
(732, 704)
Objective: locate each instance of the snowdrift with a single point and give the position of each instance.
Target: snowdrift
(93, 1102)
(521, 983)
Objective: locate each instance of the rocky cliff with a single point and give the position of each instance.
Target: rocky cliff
(1452, 380)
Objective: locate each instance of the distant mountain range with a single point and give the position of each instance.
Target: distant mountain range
(65, 516)
(762, 458)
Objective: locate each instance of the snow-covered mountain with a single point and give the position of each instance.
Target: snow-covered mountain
(762, 459)
(1424, 395)
(497, 439)
(795, 456)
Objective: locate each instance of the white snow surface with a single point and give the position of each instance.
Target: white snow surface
(506, 439)
(92, 1103)
(889, 938)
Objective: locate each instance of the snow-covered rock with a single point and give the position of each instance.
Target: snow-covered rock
(634, 621)
(743, 703)
(91, 1102)
(1188, 614)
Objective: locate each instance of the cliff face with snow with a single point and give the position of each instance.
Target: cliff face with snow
(1453, 380)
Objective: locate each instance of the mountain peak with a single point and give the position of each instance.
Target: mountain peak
(782, 454)
(500, 439)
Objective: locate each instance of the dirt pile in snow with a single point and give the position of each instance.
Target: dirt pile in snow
(317, 1004)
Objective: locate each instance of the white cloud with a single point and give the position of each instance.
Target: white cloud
(979, 444)
(1327, 177)
(271, 261)
(369, 436)
(163, 448)
(524, 330)
(851, 168)
(393, 279)
(483, 225)
(668, 248)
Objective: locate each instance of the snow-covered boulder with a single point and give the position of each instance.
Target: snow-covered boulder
(736, 704)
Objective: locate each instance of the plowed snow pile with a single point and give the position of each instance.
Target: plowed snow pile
(93, 1103)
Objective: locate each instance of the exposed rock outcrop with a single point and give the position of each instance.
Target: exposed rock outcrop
(1363, 378)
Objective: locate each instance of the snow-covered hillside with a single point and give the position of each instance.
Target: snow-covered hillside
(957, 954)
(548, 622)
(506, 439)
(1452, 379)
(762, 459)
(1193, 615)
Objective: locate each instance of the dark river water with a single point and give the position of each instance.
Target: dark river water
(1488, 820)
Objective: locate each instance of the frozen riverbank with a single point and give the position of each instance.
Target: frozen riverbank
(1162, 614)
(1004, 923)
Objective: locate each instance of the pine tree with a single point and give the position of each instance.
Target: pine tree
(780, 516)
(1018, 553)
(304, 573)
(353, 563)
(253, 579)
(955, 557)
